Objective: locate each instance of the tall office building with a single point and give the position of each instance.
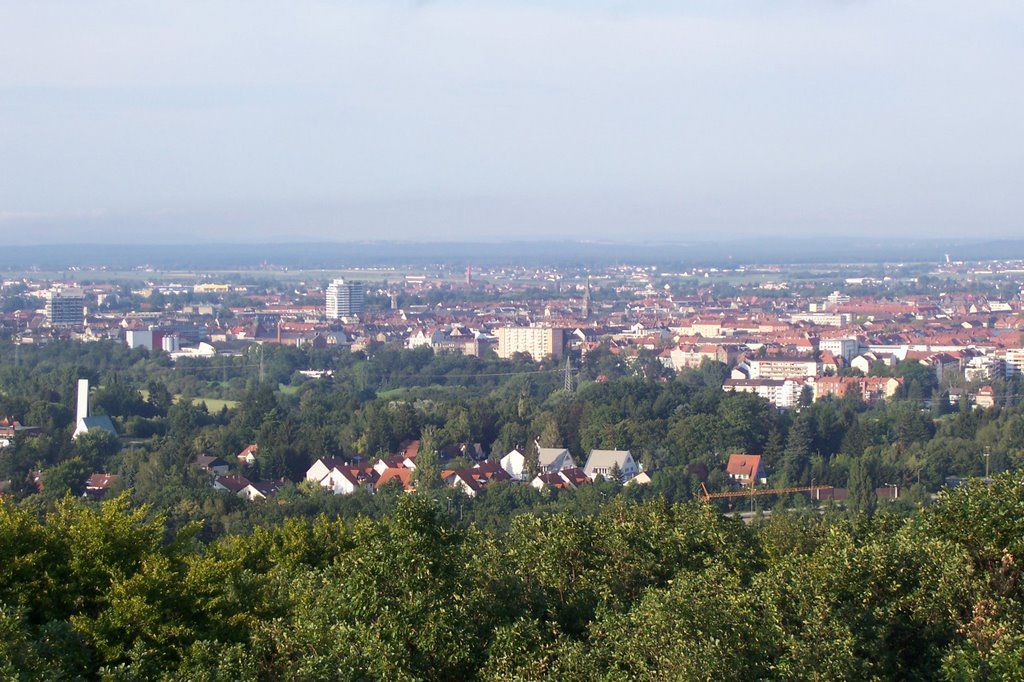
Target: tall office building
(344, 299)
(65, 308)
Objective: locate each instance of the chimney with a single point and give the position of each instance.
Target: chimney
(83, 400)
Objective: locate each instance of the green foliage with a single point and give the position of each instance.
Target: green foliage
(646, 591)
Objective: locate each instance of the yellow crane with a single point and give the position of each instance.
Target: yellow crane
(757, 492)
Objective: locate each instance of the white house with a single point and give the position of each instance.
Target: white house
(248, 455)
(550, 460)
(477, 477)
(399, 461)
(514, 464)
(603, 462)
(335, 475)
(572, 478)
(261, 490)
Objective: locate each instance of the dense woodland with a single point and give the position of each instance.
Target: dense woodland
(172, 578)
(637, 591)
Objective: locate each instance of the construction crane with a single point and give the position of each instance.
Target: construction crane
(757, 492)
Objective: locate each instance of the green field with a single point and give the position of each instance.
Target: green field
(212, 404)
(215, 404)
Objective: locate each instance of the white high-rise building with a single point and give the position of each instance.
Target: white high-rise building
(344, 299)
(1014, 361)
(539, 342)
(65, 308)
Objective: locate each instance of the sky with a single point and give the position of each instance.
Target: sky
(304, 120)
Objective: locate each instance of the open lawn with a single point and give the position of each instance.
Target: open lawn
(212, 404)
(215, 404)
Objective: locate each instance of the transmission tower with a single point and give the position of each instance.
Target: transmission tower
(568, 374)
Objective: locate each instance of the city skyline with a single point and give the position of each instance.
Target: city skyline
(451, 120)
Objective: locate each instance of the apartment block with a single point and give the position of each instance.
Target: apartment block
(539, 342)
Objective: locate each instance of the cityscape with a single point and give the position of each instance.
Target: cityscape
(511, 341)
(943, 337)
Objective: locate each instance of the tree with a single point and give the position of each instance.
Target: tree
(427, 474)
(797, 456)
(67, 477)
(97, 447)
(159, 397)
(550, 437)
(862, 486)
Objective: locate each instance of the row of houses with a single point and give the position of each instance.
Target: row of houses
(556, 468)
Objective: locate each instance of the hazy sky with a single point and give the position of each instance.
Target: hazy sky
(494, 119)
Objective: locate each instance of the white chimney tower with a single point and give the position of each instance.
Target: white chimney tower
(83, 400)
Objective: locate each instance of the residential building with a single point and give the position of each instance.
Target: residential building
(538, 342)
(97, 485)
(571, 478)
(984, 368)
(344, 299)
(551, 460)
(477, 477)
(783, 367)
(746, 469)
(339, 476)
(10, 429)
(605, 462)
(870, 389)
(848, 348)
(514, 464)
(212, 465)
(985, 398)
(248, 454)
(1014, 361)
(782, 393)
(401, 474)
(261, 490)
(65, 308)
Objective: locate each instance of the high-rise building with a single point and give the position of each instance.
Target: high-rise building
(539, 342)
(1014, 361)
(65, 308)
(344, 299)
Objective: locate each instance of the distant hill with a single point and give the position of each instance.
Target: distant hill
(340, 255)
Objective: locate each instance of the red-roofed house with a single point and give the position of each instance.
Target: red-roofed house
(746, 469)
(248, 455)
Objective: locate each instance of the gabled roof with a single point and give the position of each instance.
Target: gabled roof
(334, 463)
(209, 461)
(747, 466)
(575, 476)
(547, 456)
(478, 476)
(100, 481)
(267, 488)
(607, 458)
(98, 423)
(408, 448)
(404, 475)
(234, 484)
